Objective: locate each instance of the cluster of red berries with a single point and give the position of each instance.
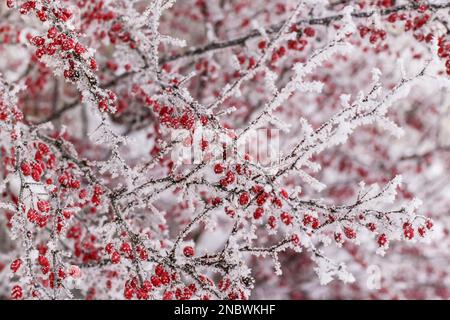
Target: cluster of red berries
(66, 180)
(411, 24)
(126, 249)
(37, 218)
(37, 82)
(35, 170)
(88, 249)
(44, 263)
(66, 45)
(16, 113)
(168, 116)
(69, 49)
(62, 14)
(224, 285)
(3, 111)
(261, 197)
(408, 230)
(349, 233)
(243, 59)
(132, 288)
(114, 254)
(185, 293)
(44, 159)
(376, 35)
(96, 197)
(272, 222)
(309, 220)
(204, 66)
(74, 232)
(230, 176)
(160, 278)
(105, 102)
(444, 52)
(298, 44)
(278, 54)
(417, 22)
(117, 32)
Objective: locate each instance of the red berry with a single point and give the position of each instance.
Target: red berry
(262, 45)
(284, 194)
(147, 286)
(159, 270)
(349, 233)
(103, 105)
(293, 44)
(75, 184)
(188, 251)
(115, 257)
(36, 175)
(128, 292)
(307, 219)
(408, 231)
(218, 168)
(109, 248)
(83, 194)
(79, 49)
(42, 16)
(338, 237)
(277, 202)
(315, 224)
(32, 215)
(421, 231)
(295, 239)
(15, 265)
(126, 248)
(244, 198)
(286, 218)
(156, 281)
(16, 293)
(68, 44)
(229, 179)
(168, 295)
(38, 41)
(43, 206)
(93, 64)
(422, 8)
(382, 240)
(52, 33)
(261, 199)
(392, 17)
(258, 213)
(310, 32)
(68, 73)
(43, 262)
(230, 212)
(40, 52)
(26, 170)
(272, 222)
